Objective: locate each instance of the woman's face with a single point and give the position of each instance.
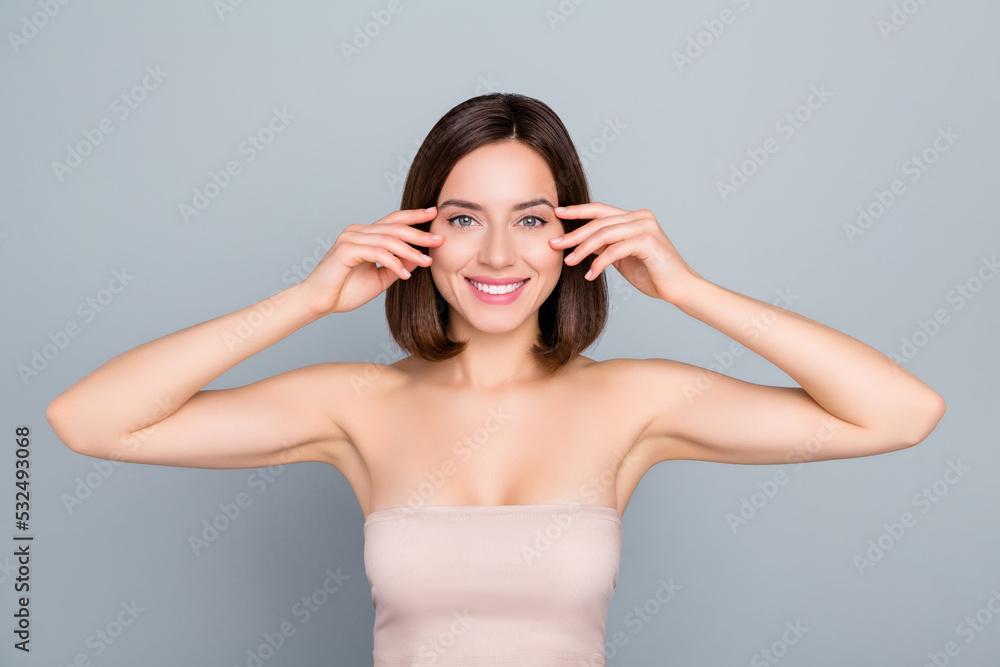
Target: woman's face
(495, 212)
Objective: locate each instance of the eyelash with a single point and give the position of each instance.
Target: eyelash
(542, 220)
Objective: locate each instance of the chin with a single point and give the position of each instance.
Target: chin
(497, 325)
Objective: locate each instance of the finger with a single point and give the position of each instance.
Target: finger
(578, 256)
(393, 262)
(378, 255)
(412, 235)
(405, 218)
(576, 236)
(394, 245)
(612, 254)
(409, 216)
(588, 210)
(602, 236)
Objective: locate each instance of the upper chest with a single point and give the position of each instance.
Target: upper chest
(529, 443)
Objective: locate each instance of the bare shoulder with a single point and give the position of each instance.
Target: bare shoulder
(649, 390)
(637, 376)
(341, 392)
(642, 388)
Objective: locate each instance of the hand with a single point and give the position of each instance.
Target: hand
(347, 277)
(634, 243)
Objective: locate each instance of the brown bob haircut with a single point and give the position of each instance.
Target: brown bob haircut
(574, 315)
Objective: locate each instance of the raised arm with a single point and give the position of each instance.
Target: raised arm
(148, 405)
(852, 399)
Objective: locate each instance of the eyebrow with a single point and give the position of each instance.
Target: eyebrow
(461, 203)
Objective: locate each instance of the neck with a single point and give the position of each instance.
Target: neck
(491, 360)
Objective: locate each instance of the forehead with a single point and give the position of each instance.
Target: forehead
(501, 173)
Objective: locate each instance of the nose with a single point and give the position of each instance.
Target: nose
(498, 248)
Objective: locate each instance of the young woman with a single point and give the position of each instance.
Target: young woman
(494, 463)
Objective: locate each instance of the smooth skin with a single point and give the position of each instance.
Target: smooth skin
(148, 404)
(852, 400)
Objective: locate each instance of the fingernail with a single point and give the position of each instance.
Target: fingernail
(556, 239)
(560, 208)
(436, 236)
(428, 210)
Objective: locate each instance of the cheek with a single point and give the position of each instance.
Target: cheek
(453, 252)
(540, 247)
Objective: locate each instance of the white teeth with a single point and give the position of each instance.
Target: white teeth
(496, 289)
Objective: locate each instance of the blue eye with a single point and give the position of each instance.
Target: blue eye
(539, 222)
(451, 221)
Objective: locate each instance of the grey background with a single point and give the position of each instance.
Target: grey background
(681, 130)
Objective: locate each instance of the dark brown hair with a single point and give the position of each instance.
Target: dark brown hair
(574, 315)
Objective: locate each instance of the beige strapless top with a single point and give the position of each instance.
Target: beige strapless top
(492, 584)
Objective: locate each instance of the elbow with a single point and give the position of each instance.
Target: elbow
(55, 415)
(924, 420)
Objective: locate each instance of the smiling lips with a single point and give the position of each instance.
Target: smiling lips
(496, 290)
(495, 285)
